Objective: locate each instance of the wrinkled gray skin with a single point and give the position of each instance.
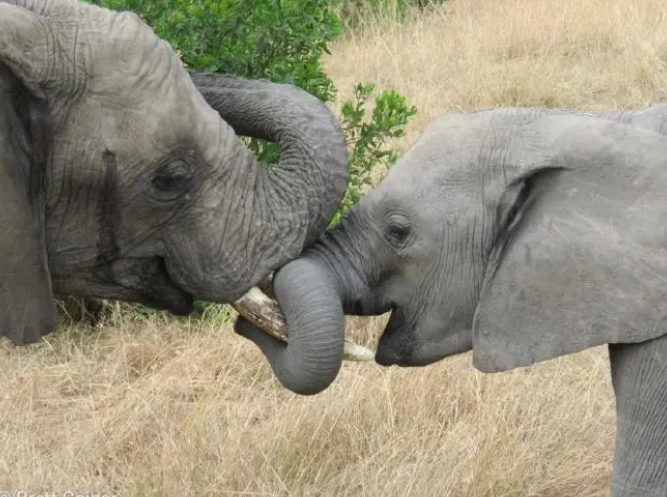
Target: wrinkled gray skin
(523, 235)
(120, 181)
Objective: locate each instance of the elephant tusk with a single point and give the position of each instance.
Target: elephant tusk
(263, 312)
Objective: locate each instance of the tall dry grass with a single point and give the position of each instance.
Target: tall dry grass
(150, 406)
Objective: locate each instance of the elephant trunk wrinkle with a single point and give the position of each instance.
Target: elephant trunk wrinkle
(310, 302)
(350, 266)
(311, 178)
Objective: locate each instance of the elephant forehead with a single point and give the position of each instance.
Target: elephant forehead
(435, 179)
(129, 66)
(138, 83)
(430, 205)
(453, 152)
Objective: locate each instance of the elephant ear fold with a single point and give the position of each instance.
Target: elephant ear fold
(27, 307)
(580, 258)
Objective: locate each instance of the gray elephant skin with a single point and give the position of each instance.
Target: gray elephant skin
(123, 177)
(522, 235)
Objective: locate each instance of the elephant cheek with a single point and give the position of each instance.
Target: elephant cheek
(420, 342)
(456, 341)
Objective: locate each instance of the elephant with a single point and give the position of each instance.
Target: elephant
(123, 177)
(518, 234)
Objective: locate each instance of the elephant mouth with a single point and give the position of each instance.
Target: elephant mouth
(411, 340)
(142, 280)
(401, 346)
(160, 292)
(395, 345)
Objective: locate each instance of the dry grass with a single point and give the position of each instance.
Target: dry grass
(147, 407)
(484, 53)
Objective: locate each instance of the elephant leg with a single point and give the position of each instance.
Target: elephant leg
(639, 378)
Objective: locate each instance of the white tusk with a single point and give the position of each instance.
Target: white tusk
(264, 313)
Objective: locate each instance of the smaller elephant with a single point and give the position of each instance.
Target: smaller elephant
(521, 235)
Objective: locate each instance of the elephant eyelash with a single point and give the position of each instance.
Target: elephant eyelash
(171, 183)
(172, 180)
(397, 233)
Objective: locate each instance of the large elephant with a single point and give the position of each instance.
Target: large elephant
(520, 234)
(120, 181)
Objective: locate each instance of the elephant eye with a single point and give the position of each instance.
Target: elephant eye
(172, 180)
(397, 231)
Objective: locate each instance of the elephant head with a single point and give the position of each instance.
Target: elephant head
(120, 181)
(520, 234)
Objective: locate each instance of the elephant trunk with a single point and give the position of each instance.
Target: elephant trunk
(311, 304)
(285, 209)
(313, 291)
(304, 191)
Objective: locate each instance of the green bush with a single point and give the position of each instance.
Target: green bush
(390, 114)
(282, 41)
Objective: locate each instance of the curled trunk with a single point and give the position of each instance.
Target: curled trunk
(312, 174)
(314, 291)
(286, 208)
(313, 311)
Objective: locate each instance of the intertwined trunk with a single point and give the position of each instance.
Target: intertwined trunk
(315, 291)
(285, 209)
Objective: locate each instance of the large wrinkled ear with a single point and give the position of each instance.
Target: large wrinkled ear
(25, 43)
(580, 258)
(27, 308)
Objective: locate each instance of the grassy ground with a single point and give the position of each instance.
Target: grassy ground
(155, 406)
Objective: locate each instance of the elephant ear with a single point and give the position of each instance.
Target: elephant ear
(27, 307)
(580, 257)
